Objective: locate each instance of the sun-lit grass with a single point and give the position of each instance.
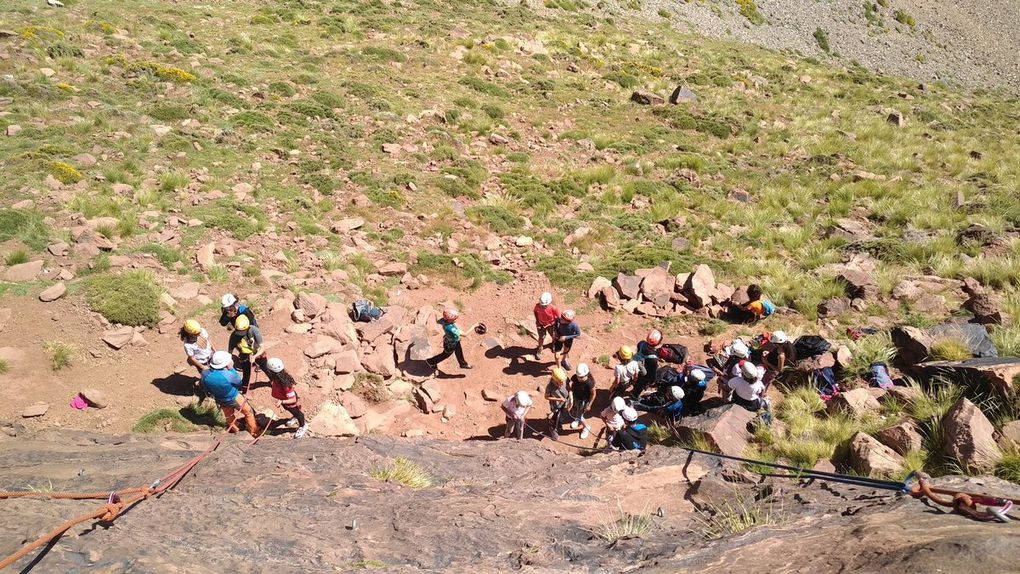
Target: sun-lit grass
(737, 516)
(61, 354)
(405, 472)
(622, 525)
(950, 350)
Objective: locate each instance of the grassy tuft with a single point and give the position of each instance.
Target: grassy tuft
(950, 350)
(405, 472)
(163, 420)
(130, 298)
(4, 366)
(61, 354)
(1008, 467)
(739, 516)
(622, 526)
(16, 257)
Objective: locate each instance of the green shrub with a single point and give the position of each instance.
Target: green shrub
(254, 121)
(1008, 467)
(16, 257)
(65, 173)
(63, 49)
(4, 366)
(498, 218)
(484, 87)
(904, 18)
(405, 472)
(239, 219)
(130, 298)
(748, 9)
(167, 256)
(25, 225)
(60, 354)
(163, 420)
(950, 350)
(822, 38)
(283, 89)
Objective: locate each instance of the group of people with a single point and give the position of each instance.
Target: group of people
(651, 376)
(225, 375)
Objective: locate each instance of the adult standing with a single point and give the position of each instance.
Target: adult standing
(222, 382)
(546, 315)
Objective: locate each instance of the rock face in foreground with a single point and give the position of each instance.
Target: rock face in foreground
(312, 506)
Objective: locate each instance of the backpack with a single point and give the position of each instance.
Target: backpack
(666, 377)
(673, 353)
(365, 311)
(878, 376)
(809, 346)
(825, 383)
(768, 308)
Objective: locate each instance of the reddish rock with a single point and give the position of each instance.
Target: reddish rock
(969, 438)
(859, 285)
(1009, 438)
(872, 458)
(53, 293)
(369, 332)
(24, 271)
(118, 338)
(855, 403)
(726, 428)
(996, 374)
(647, 98)
(739, 297)
(700, 286)
(35, 410)
(597, 285)
(493, 396)
(95, 398)
(311, 304)
(902, 438)
(657, 286)
(913, 345)
(834, 307)
(610, 298)
(346, 362)
(393, 269)
(333, 420)
(380, 362)
(323, 346)
(629, 286)
(354, 405)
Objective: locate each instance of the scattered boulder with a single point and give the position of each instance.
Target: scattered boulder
(969, 438)
(896, 118)
(95, 398)
(369, 332)
(36, 410)
(700, 286)
(740, 298)
(629, 286)
(24, 271)
(348, 225)
(52, 293)
(833, 307)
(913, 346)
(323, 346)
(185, 291)
(725, 427)
(492, 395)
(206, 256)
(394, 268)
(597, 286)
(347, 362)
(903, 395)
(353, 404)
(427, 396)
(312, 304)
(333, 420)
(854, 403)
(986, 307)
(872, 458)
(682, 95)
(119, 337)
(646, 98)
(380, 362)
(420, 347)
(657, 286)
(859, 285)
(1009, 438)
(902, 438)
(995, 374)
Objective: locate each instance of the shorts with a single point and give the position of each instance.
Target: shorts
(563, 346)
(548, 330)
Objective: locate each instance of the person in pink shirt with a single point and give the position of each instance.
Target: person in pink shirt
(546, 316)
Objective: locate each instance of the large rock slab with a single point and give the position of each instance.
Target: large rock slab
(380, 362)
(312, 304)
(855, 403)
(725, 427)
(859, 285)
(24, 271)
(995, 374)
(333, 420)
(657, 286)
(369, 332)
(628, 286)
(902, 438)
(119, 338)
(969, 438)
(700, 286)
(52, 293)
(1009, 438)
(323, 346)
(913, 345)
(872, 458)
(347, 362)
(35, 410)
(597, 285)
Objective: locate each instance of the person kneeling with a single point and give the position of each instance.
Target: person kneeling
(749, 389)
(633, 435)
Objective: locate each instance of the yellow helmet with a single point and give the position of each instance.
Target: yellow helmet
(192, 327)
(559, 374)
(626, 353)
(242, 323)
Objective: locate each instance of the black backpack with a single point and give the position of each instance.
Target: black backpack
(809, 346)
(672, 353)
(666, 377)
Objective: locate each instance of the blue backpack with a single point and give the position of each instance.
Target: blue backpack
(365, 311)
(825, 383)
(768, 308)
(878, 376)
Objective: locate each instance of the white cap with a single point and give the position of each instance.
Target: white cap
(545, 299)
(698, 374)
(619, 404)
(583, 370)
(274, 365)
(523, 399)
(629, 414)
(740, 349)
(221, 360)
(677, 392)
(779, 337)
(228, 300)
(749, 370)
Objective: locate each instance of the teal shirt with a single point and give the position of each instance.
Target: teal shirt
(451, 333)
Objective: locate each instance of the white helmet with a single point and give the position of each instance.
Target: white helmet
(583, 370)
(779, 337)
(274, 365)
(677, 392)
(523, 399)
(221, 360)
(629, 414)
(228, 300)
(740, 349)
(698, 375)
(619, 404)
(546, 299)
(749, 371)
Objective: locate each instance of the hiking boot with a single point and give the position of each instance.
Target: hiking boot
(292, 423)
(565, 364)
(466, 366)
(585, 433)
(301, 432)
(575, 425)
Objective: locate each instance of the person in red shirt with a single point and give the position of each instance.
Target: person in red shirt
(546, 315)
(286, 395)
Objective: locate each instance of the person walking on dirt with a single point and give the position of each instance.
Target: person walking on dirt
(566, 331)
(633, 436)
(286, 395)
(546, 315)
(231, 309)
(222, 382)
(581, 387)
(613, 419)
(197, 346)
(247, 341)
(451, 341)
(559, 397)
(515, 407)
(648, 357)
(626, 373)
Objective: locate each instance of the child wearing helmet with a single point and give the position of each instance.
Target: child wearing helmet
(667, 402)
(776, 355)
(726, 363)
(612, 418)
(749, 389)
(197, 345)
(222, 382)
(566, 331)
(633, 436)
(231, 309)
(581, 387)
(247, 341)
(558, 396)
(546, 315)
(286, 395)
(694, 382)
(626, 373)
(647, 356)
(515, 407)
(451, 341)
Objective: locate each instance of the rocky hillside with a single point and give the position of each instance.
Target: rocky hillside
(323, 505)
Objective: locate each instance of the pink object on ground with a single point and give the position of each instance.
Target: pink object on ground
(79, 403)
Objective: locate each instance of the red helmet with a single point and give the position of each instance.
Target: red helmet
(654, 337)
(450, 314)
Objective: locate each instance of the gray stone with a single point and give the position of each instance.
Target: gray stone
(628, 286)
(682, 94)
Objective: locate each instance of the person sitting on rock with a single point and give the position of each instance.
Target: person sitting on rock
(451, 341)
(286, 395)
(247, 341)
(231, 309)
(222, 382)
(565, 331)
(749, 389)
(612, 418)
(515, 407)
(759, 307)
(776, 355)
(582, 392)
(626, 373)
(726, 363)
(546, 315)
(648, 357)
(558, 396)
(633, 436)
(694, 381)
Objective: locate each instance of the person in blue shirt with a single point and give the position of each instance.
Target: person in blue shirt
(566, 331)
(222, 382)
(451, 341)
(633, 436)
(668, 403)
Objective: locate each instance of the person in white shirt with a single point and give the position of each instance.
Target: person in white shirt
(515, 407)
(626, 373)
(196, 345)
(749, 388)
(613, 418)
